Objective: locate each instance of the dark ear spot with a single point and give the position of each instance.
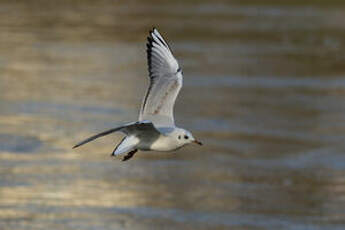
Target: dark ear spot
(179, 137)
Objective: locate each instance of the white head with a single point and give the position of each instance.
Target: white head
(185, 137)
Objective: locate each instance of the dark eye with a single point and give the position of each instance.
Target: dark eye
(185, 137)
(179, 137)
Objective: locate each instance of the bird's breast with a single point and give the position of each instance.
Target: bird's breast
(165, 143)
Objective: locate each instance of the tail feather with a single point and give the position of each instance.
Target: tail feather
(117, 146)
(127, 144)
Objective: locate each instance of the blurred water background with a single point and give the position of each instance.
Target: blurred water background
(264, 89)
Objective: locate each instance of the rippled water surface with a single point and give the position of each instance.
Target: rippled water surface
(264, 89)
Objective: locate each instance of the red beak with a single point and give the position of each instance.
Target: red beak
(197, 142)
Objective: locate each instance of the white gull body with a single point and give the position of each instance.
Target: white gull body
(155, 129)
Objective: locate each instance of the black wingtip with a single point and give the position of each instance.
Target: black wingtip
(148, 51)
(151, 31)
(75, 146)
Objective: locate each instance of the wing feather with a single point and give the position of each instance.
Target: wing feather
(165, 82)
(133, 128)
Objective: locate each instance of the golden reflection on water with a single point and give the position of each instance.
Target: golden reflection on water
(263, 90)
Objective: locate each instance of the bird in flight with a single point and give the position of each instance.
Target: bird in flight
(156, 128)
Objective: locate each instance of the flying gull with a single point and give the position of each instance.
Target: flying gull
(156, 128)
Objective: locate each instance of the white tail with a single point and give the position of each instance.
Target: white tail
(127, 144)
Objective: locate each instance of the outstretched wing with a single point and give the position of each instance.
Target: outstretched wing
(133, 128)
(165, 82)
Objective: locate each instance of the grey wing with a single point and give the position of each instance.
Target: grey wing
(165, 82)
(133, 128)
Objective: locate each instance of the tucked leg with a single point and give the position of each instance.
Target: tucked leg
(129, 155)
